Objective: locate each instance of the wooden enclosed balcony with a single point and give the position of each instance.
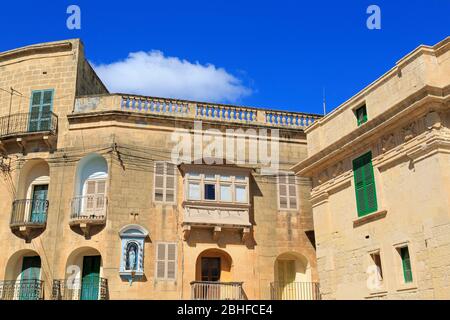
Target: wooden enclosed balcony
(295, 291)
(28, 216)
(21, 290)
(88, 211)
(95, 288)
(213, 290)
(18, 129)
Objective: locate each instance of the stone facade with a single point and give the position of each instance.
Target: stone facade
(408, 134)
(129, 135)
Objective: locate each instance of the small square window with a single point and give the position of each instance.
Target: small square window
(210, 191)
(361, 115)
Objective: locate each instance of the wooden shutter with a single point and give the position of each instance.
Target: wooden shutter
(166, 261)
(366, 198)
(90, 193)
(287, 191)
(171, 260)
(160, 263)
(165, 182)
(406, 264)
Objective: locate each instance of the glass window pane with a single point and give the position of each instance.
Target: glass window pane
(36, 99)
(225, 178)
(210, 192)
(194, 191)
(225, 192)
(210, 177)
(170, 182)
(241, 194)
(48, 97)
(240, 178)
(293, 202)
(159, 168)
(194, 175)
(292, 190)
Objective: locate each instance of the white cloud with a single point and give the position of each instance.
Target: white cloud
(153, 74)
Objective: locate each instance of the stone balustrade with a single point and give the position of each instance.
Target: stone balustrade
(194, 110)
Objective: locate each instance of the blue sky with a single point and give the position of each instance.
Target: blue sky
(276, 54)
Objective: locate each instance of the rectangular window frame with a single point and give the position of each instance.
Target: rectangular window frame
(363, 109)
(165, 176)
(288, 195)
(166, 261)
(231, 181)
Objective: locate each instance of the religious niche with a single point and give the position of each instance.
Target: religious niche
(132, 256)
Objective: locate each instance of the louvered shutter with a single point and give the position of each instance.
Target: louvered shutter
(171, 260)
(159, 181)
(160, 264)
(366, 199)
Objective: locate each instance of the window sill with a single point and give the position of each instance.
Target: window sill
(407, 287)
(219, 204)
(369, 218)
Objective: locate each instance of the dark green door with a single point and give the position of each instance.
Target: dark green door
(40, 113)
(29, 282)
(91, 278)
(39, 203)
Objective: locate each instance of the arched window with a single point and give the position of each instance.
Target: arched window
(91, 187)
(132, 255)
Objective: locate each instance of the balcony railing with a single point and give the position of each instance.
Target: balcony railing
(28, 123)
(21, 290)
(29, 212)
(90, 208)
(193, 110)
(295, 291)
(211, 290)
(75, 289)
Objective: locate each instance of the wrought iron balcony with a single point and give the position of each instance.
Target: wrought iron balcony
(75, 289)
(29, 213)
(295, 291)
(21, 290)
(20, 124)
(212, 290)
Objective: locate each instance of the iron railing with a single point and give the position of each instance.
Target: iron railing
(89, 208)
(75, 289)
(29, 212)
(31, 122)
(295, 291)
(21, 290)
(212, 290)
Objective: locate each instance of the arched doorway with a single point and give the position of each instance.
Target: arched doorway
(213, 265)
(31, 204)
(83, 280)
(293, 278)
(213, 273)
(23, 277)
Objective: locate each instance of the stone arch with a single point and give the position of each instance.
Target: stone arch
(92, 166)
(225, 260)
(34, 172)
(13, 270)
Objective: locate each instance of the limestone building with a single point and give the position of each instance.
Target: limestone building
(380, 169)
(94, 203)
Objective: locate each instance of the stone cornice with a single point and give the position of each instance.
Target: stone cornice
(427, 99)
(42, 48)
(436, 50)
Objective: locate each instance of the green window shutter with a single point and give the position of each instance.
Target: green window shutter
(40, 110)
(406, 263)
(366, 198)
(361, 115)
